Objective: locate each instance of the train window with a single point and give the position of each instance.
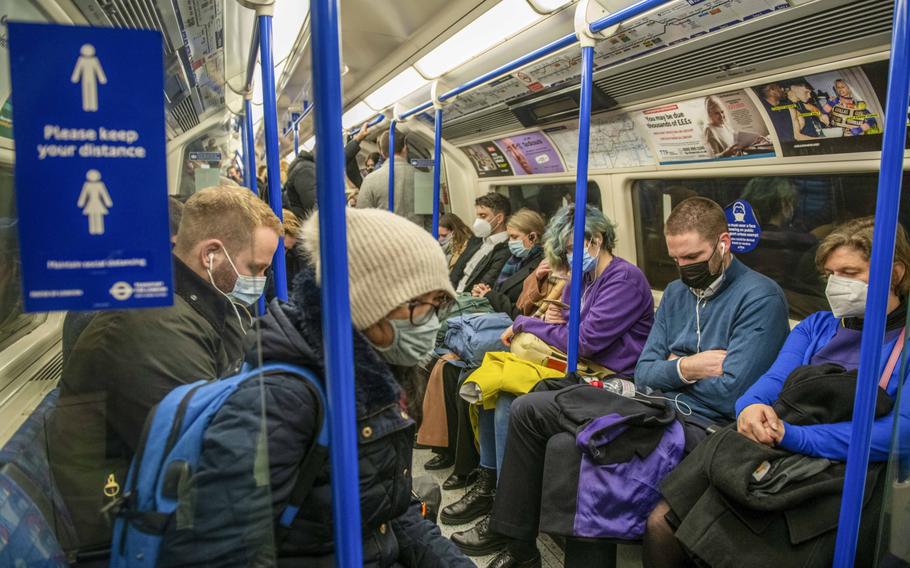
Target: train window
(546, 198)
(13, 322)
(795, 214)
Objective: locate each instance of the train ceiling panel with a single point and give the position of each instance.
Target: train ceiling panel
(193, 33)
(801, 34)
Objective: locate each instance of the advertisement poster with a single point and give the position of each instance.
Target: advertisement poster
(488, 159)
(531, 153)
(824, 113)
(616, 142)
(725, 126)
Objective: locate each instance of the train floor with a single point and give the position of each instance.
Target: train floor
(552, 556)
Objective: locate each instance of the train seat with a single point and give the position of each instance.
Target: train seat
(33, 519)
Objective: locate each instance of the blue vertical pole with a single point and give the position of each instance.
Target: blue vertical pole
(581, 198)
(437, 172)
(336, 306)
(391, 151)
(295, 122)
(249, 144)
(270, 120)
(249, 164)
(887, 205)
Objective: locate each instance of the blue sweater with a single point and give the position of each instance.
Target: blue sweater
(824, 440)
(747, 317)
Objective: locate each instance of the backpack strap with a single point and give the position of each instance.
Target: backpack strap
(316, 455)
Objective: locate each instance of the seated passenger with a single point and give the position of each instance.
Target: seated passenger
(453, 237)
(718, 327)
(715, 332)
(126, 361)
(823, 337)
(398, 286)
(486, 252)
(525, 230)
(617, 312)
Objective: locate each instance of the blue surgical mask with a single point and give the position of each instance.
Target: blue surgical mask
(588, 262)
(411, 342)
(518, 248)
(247, 289)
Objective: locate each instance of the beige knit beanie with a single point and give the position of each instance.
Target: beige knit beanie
(391, 260)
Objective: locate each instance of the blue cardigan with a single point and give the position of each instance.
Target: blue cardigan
(747, 317)
(823, 440)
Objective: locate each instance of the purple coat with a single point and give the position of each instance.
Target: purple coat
(617, 312)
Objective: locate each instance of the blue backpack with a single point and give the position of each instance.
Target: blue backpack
(169, 454)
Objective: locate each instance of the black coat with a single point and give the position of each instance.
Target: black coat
(121, 365)
(486, 271)
(394, 533)
(504, 295)
(299, 192)
(718, 515)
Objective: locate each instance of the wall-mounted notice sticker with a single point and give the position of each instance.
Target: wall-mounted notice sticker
(91, 183)
(206, 156)
(488, 159)
(531, 153)
(745, 231)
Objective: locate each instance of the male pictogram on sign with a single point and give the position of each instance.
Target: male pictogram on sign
(88, 70)
(94, 202)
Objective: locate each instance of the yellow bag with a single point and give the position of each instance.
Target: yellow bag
(531, 348)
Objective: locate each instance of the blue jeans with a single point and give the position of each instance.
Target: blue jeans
(494, 426)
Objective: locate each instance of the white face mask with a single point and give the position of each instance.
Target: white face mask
(247, 289)
(482, 228)
(846, 296)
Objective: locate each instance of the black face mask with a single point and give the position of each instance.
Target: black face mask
(698, 275)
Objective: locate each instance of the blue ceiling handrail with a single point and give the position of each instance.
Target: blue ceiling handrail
(541, 52)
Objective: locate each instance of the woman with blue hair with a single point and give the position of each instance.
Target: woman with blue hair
(617, 312)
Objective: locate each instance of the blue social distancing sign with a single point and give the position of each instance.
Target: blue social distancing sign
(745, 232)
(91, 181)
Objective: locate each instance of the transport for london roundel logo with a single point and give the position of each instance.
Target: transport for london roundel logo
(121, 291)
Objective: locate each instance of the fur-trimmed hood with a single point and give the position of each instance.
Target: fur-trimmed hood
(292, 333)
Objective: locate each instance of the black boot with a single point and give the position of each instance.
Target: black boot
(517, 555)
(480, 540)
(440, 461)
(477, 501)
(460, 480)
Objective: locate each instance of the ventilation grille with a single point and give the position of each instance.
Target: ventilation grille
(51, 371)
(798, 41)
(500, 119)
(137, 14)
(185, 115)
(861, 19)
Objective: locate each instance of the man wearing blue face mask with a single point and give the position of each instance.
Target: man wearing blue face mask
(126, 361)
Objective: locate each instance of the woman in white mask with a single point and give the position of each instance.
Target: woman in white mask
(823, 337)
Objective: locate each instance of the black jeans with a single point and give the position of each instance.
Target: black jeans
(461, 435)
(516, 512)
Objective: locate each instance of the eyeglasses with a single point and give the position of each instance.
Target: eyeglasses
(417, 319)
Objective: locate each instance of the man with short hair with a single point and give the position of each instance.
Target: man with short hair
(374, 192)
(718, 329)
(126, 361)
(487, 252)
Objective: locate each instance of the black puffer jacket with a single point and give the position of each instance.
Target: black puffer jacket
(228, 502)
